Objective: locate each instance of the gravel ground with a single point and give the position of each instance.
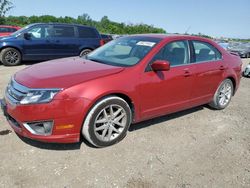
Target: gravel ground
(199, 147)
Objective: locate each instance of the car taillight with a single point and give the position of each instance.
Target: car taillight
(102, 42)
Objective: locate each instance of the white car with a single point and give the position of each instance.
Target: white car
(246, 72)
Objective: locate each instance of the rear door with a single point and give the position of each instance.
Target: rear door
(88, 37)
(65, 42)
(208, 72)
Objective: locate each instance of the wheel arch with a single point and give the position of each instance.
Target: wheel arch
(117, 94)
(15, 47)
(85, 48)
(122, 96)
(234, 83)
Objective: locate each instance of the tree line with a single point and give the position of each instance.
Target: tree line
(105, 25)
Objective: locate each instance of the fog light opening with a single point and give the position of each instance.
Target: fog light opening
(39, 128)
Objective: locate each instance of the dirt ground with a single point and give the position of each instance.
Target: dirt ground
(199, 147)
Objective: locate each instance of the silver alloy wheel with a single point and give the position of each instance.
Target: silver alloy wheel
(12, 57)
(110, 122)
(225, 94)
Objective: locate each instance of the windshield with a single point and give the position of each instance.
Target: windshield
(124, 52)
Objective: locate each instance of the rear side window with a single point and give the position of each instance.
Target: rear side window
(176, 53)
(85, 32)
(205, 52)
(63, 31)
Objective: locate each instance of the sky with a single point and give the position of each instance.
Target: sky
(217, 18)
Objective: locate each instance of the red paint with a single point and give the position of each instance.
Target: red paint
(152, 93)
(2, 34)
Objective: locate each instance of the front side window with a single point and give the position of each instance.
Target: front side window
(176, 53)
(39, 32)
(4, 30)
(205, 52)
(124, 52)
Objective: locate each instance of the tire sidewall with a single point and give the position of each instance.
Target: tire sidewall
(82, 53)
(3, 54)
(88, 126)
(219, 106)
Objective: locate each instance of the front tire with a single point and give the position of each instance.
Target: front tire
(223, 95)
(10, 57)
(107, 122)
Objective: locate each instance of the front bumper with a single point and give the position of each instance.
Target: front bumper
(67, 116)
(247, 71)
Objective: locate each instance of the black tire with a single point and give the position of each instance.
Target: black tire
(85, 52)
(216, 103)
(94, 136)
(10, 57)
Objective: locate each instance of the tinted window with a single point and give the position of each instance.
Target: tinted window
(5, 30)
(85, 32)
(63, 31)
(13, 29)
(176, 53)
(39, 32)
(205, 52)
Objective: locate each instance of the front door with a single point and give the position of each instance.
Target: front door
(40, 45)
(65, 42)
(167, 91)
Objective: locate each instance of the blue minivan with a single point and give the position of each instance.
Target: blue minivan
(44, 41)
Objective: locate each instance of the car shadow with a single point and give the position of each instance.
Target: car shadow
(134, 127)
(50, 146)
(165, 118)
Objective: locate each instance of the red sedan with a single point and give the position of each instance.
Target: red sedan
(126, 81)
(6, 30)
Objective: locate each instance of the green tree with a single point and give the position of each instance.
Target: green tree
(5, 6)
(105, 25)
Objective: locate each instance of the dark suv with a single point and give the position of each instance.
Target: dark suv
(43, 41)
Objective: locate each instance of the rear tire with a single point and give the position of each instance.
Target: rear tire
(85, 52)
(223, 95)
(10, 57)
(107, 122)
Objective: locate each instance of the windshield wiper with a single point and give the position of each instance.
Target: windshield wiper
(95, 60)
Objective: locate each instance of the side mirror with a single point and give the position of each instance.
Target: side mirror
(160, 65)
(27, 36)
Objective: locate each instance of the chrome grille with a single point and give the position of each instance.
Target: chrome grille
(15, 92)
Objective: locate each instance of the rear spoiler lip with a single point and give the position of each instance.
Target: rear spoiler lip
(234, 53)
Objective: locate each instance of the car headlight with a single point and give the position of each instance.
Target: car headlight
(39, 96)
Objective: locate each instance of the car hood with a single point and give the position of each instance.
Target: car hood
(7, 38)
(63, 73)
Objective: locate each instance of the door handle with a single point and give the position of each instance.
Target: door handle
(187, 72)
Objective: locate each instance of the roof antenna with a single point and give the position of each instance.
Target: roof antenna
(189, 27)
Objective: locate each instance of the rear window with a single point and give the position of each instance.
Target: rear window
(63, 31)
(85, 32)
(205, 52)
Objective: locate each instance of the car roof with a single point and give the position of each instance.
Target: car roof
(165, 36)
(58, 23)
(10, 26)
